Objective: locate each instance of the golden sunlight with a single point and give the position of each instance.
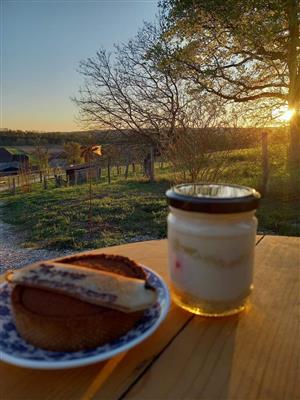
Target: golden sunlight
(287, 115)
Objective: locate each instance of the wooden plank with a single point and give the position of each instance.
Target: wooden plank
(254, 355)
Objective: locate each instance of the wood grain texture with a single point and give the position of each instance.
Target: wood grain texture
(254, 355)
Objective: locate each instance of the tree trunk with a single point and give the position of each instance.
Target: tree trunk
(294, 150)
(90, 195)
(146, 166)
(294, 82)
(149, 165)
(152, 177)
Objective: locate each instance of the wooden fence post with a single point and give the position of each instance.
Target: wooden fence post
(108, 170)
(45, 183)
(126, 170)
(265, 162)
(14, 186)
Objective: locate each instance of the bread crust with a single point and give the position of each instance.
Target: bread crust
(58, 322)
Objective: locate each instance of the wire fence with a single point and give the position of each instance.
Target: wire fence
(27, 181)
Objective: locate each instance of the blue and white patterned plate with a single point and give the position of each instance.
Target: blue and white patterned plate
(14, 349)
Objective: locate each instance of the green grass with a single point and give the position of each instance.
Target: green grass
(133, 210)
(59, 218)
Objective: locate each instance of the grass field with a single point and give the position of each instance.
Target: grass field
(134, 210)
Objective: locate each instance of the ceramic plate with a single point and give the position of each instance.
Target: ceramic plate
(14, 350)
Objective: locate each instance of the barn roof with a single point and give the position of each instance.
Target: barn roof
(14, 150)
(80, 166)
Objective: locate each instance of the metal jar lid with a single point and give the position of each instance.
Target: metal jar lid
(213, 198)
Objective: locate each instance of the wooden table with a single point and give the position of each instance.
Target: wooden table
(254, 355)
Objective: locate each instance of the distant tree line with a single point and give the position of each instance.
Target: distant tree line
(10, 137)
(234, 138)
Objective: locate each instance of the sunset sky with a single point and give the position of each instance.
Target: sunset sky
(42, 43)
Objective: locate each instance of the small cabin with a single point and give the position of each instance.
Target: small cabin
(80, 172)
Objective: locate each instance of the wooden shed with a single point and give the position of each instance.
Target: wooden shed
(80, 172)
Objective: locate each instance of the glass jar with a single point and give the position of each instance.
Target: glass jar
(211, 239)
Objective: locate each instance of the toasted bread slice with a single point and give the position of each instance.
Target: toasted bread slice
(60, 322)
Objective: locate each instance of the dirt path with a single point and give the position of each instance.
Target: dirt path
(13, 255)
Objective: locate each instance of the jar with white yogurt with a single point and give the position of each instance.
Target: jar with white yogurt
(211, 239)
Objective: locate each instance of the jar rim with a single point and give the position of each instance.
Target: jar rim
(212, 198)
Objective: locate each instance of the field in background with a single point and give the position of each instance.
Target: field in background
(134, 209)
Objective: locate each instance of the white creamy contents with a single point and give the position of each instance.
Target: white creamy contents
(94, 286)
(211, 255)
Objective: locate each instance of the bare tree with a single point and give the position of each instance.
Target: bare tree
(200, 149)
(41, 154)
(131, 92)
(73, 152)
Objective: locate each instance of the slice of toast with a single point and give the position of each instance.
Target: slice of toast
(60, 322)
(98, 287)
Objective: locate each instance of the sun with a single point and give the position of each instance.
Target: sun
(283, 114)
(287, 115)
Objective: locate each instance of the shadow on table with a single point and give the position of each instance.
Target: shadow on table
(215, 354)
